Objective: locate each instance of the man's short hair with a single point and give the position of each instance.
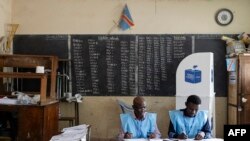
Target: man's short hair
(194, 99)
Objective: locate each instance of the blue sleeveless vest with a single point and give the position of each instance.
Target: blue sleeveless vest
(139, 129)
(180, 123)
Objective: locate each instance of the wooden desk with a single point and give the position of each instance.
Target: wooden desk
(35, 122)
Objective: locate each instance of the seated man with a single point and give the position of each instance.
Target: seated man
(139, 125)
(189, 122)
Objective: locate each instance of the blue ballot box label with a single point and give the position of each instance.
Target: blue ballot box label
(193, 76)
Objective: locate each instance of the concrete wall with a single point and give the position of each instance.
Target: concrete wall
(5, 18)
(5, 15)
(150, 17)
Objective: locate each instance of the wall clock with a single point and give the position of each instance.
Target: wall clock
(224, 17)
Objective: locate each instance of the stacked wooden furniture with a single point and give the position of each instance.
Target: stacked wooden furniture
(32, 61)
(239, 91)
(35, 122)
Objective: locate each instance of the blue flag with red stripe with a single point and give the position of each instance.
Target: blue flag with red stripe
(126, 20)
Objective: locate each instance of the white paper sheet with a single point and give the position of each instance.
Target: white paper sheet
(6, 100)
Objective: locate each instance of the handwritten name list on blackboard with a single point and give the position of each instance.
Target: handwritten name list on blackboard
(127, 65)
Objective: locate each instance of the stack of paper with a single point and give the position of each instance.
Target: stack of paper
(75, 133)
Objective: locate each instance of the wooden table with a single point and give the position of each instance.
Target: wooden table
(35, 122)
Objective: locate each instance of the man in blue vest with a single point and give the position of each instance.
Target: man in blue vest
(140, 124)
(189, 122)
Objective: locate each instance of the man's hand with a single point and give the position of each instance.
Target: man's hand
(152, 136)
(200, 136)
(182, 136)
(128, 135)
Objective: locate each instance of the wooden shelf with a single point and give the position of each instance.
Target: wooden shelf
(22, 75)
(47, 80)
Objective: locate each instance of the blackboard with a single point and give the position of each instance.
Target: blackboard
(42, 45)
(127, 65)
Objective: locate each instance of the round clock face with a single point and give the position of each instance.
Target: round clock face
(224, 17)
